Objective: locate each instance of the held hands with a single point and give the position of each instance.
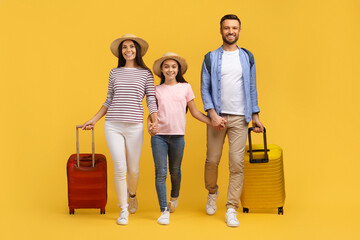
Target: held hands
(152, 127)
(218, 122)
(88, 125)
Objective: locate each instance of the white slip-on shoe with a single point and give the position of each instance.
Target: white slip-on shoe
(211, 203)
(164, 218)
(124, 217)
(173, 203)
(230, 218)
(133, 204)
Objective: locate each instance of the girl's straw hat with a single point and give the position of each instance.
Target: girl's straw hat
(166, 56)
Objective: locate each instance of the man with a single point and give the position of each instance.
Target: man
(228, 91)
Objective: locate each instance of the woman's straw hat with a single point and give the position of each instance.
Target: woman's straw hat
(114, 47)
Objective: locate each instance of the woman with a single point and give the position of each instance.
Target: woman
(174, 95)
(128, 83)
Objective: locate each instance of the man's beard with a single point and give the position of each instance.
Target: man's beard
(228, 42)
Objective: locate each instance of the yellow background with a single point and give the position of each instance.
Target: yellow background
(54, 66)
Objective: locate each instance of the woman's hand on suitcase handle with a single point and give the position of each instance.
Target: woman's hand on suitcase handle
(258, 127)
(88, 125)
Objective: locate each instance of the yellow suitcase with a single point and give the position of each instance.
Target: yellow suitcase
(264, 185)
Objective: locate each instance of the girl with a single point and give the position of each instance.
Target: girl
(128, 83)
(174, 95)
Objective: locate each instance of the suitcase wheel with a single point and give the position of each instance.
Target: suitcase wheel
(72, 211)
(281, 211)
(102, 211)
(245, 210)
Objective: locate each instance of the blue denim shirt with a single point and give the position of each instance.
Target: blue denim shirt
(211, 85)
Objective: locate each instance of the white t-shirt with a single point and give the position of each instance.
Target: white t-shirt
(232, 84)
(172, 101)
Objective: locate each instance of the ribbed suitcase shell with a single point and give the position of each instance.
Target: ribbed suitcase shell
(87, 186)
(264, 184)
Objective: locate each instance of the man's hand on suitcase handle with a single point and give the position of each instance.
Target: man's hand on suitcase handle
(258, 127)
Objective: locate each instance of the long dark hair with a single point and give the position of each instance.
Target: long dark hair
(179, 76)
(138, 58)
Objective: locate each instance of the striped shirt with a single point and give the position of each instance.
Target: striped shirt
(127, 88)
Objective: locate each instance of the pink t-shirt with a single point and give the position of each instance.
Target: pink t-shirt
(172, 101)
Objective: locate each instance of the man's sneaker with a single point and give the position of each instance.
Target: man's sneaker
(173, 203)
(164, 219)
(230, 218)
(124, 216)
(133, 204)
(211, 203)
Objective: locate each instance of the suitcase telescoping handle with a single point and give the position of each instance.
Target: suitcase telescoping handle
(265, 150)
(77, 146)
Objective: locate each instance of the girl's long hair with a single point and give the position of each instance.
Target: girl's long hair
(138, 58)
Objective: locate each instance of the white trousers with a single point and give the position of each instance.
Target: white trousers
(120, 136)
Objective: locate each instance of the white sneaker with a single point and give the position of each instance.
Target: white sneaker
(230, 218)
(173, 203)
(164, 219)
(124, 216)
(211, 203)
(133, 204)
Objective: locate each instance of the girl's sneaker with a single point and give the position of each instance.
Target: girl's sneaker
(164, 219)
(173, 203)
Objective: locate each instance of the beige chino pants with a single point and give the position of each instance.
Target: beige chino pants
(236, 129)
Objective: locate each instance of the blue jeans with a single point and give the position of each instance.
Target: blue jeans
(163, 146)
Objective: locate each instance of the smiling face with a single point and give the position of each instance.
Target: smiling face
(230, 30)
(128, 50)
(170, 69)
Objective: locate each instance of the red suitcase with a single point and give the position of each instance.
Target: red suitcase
(87, 179)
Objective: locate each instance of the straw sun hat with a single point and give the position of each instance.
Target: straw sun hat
(114, 47)
(166, 56)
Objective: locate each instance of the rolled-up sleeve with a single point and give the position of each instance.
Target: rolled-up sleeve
(110, 93)
(150, 93)
(253, 90)
(206, 88)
